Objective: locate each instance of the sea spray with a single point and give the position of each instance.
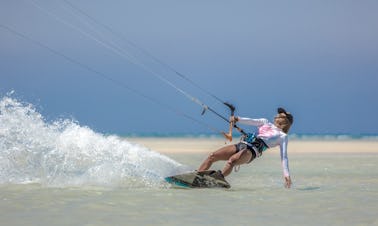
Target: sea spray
(63, 153)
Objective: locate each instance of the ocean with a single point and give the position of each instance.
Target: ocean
(326, 191)
(62, 173)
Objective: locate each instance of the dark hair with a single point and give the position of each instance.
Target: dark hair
(289, 116)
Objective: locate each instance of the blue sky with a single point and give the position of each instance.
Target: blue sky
(318, 59)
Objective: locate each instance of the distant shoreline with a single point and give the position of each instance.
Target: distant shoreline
(312, 137)
(207, 145)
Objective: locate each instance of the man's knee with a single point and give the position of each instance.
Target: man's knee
(211, 157)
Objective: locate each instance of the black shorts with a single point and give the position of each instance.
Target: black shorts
(241, 146)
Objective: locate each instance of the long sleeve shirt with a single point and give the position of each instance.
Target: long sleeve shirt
(272, 136)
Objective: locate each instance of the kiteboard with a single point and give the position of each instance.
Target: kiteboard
(203, 179)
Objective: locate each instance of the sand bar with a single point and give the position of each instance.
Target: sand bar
(206, 145)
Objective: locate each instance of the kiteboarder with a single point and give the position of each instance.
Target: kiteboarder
(252, 145)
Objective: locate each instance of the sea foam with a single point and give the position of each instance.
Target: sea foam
(63, 153)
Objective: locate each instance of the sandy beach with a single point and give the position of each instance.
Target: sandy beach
(206, 145)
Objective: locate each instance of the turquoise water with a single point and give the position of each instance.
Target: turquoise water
(61, 173)
(328, 190)
(306, 137)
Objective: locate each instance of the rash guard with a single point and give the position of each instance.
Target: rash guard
(272, 136)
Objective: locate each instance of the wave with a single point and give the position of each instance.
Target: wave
(62, 153)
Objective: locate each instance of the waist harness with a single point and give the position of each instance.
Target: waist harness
(257, 144)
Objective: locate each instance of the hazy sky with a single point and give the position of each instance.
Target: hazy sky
(318, 59)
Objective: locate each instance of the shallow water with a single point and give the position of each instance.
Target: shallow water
(62, 173)
(332, 189)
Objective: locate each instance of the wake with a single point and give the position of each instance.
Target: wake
(62, 153)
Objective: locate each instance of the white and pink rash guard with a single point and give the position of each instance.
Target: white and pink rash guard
(272, 136)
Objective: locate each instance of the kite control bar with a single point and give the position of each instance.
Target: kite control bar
(228, 135)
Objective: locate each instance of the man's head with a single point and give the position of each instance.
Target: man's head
(283, 120)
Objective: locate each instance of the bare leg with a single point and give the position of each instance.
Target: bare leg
(242, 157)
(223, 153)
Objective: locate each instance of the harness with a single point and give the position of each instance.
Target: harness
(255, 143)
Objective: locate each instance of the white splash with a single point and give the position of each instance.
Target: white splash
(63, 153)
